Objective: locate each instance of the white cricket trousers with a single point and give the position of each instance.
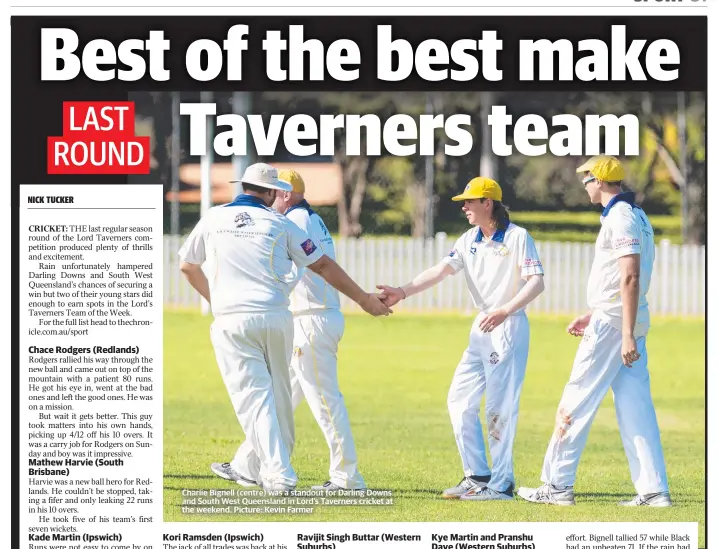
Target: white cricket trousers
(598, 367)
(253, 352)
(314, 377)
(494, 363)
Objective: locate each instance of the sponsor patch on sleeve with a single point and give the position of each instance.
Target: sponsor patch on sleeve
(452, 253)
(308, 246)
(624, 242)
(529, 262)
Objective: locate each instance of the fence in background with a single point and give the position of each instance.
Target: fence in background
(678, 284)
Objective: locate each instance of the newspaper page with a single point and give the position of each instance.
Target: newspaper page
(340, 277)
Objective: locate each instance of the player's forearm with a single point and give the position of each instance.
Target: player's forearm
(629, 289)
(530, 291)
(427, 279)
(339, 279)
(197, 279)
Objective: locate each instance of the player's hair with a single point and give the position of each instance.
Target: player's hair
(255, 188)
(500, 214)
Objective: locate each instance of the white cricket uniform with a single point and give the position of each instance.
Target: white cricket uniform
(598, 365)
(495, 269)
(319, 327)
(251, 250)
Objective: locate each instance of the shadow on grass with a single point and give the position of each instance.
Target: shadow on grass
(186, 477)
(612, 495)
(676, 497)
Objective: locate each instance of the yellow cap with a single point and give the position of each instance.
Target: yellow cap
(294, 179)
(606, 168)
(480, 187)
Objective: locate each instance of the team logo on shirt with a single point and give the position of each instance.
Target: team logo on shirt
(500, 250)
(243, 219)
(493, 358)
(308, 246)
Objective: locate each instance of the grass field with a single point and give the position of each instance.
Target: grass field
(395, 373)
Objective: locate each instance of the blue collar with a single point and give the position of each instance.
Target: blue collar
(304, 205)
(621, 197)
(248, 200)
(498, 235)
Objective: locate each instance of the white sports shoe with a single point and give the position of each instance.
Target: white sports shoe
(548, 495)
(485, 493)
(278, 488)
(330, 486)
(660, 499)
(225, 470)
(465, 485)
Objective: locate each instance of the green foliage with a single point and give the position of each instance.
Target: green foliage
(393, 175)
(394, 183)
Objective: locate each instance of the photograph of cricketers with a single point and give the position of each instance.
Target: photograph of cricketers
(613, 350)
(504, 273)
(253, 249)
(472, 390)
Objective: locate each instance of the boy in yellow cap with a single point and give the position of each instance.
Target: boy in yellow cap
(612, 353)
(503, 273)
(319, 327)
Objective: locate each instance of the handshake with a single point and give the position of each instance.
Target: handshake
(378, 304)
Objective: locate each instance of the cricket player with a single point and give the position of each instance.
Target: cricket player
(252, 249)
(319, 327)
(613, 350)
(504, 274)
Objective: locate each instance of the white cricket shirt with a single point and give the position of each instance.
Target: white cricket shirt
(495, 268)
(311, 291)
(625, 230)
(252, 249)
